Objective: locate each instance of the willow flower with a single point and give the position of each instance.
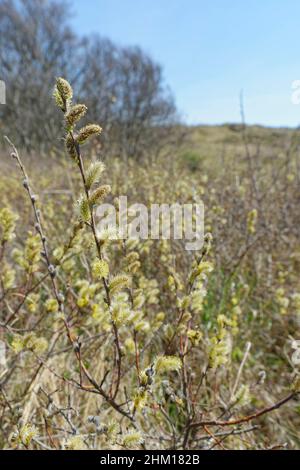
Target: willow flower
(64, 88)
(99, 194)
(75, 114)
(94, 173)
(71, 147)
(167, 364)
(87, 132)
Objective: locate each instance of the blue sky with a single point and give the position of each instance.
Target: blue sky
(210, 51)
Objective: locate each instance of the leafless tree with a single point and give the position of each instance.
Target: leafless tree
(35, 47)
(123, 87)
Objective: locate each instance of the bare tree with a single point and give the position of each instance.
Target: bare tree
(36, 45)
(123, 87)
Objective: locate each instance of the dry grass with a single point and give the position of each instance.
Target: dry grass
(82, 380)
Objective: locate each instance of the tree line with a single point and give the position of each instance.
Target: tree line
(123, 87)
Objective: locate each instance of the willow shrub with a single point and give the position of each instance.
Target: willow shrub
(110, 343)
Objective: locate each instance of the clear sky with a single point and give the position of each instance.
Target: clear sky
(210, 51)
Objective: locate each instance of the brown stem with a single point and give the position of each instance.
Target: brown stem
(98, 247)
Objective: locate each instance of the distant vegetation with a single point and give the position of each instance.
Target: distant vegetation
(132, 344)
(141, 344)
(122, 86)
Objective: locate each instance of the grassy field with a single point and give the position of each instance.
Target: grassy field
(209, 144)
(142, 344)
